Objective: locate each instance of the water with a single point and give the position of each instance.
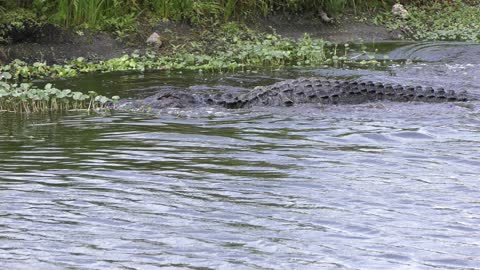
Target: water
(373, 186)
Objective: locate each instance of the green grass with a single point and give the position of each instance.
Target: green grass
(455, 21)
(93, 13)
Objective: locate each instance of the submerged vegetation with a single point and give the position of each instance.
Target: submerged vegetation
(443, 20)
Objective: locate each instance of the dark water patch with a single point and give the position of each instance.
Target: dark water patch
(133, 84)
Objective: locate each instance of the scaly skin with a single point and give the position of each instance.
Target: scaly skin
(299, 91)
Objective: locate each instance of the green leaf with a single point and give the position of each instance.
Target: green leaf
(6, 75)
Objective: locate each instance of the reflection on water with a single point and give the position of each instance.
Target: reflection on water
(374, 186)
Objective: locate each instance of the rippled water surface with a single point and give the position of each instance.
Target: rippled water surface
(373, 186)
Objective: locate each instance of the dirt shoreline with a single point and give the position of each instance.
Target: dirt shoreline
(348, 28)
(58, 46)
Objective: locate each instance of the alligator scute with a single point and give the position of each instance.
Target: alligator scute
(298, 91)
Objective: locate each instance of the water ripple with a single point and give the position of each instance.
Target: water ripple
(373, 186)
(345, 189)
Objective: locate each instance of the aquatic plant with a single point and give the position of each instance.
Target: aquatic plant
(21, 70)
(25, 98)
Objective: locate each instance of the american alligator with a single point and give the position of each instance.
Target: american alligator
(298, 91)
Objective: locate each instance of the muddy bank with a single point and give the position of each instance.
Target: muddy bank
(54, 45)
(344, 29)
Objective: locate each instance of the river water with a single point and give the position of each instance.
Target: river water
(372, 186)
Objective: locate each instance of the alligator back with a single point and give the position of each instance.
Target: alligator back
(315, 90)
(298, 91)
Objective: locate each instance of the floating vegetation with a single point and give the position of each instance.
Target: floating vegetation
(25, 98)
(240, 50)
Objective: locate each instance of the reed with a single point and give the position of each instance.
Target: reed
(93, 12)
(75, 12)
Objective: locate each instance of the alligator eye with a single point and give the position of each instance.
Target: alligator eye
(288, 103)
(167, 95)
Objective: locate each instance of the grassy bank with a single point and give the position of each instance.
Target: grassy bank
(431, 19)
(427, 20)
(20, 19)
(443, 20)
(102, 13)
